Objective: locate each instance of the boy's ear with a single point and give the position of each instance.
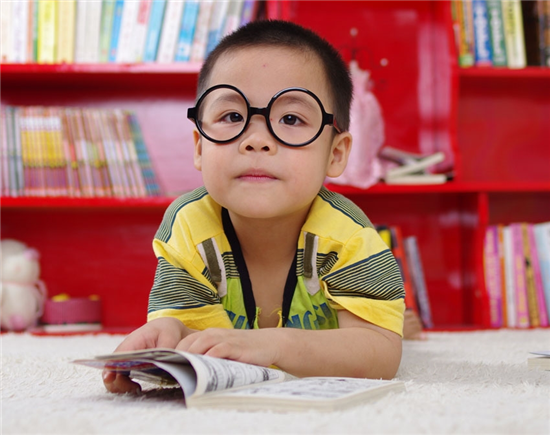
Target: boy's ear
(339, 154)
(197, 156)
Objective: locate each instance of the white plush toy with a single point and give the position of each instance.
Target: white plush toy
(22, 294)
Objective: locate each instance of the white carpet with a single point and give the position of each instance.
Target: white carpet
(468, 382)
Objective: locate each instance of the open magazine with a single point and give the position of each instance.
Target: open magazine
(220, 383)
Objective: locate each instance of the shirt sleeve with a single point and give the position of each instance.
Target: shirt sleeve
(366, 281)
(182, 289)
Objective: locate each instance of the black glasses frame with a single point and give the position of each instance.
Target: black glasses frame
(328, 118)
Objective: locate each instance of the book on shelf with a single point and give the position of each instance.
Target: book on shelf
(128, 23)
(154, 28)
(416, 268)
(139, 33)
(216, 25)
(513, 33)
(483, 48)
(187, 31)
(170, 32)
(47, 12)
(463, 30)
(502, 33)
(493, 283)
(496, 32)
(117, 31)
(209, 382)
(200, 38)
(74, 152)
(106, 28)
(516, 254)
(412, 168)
(541, 360)
(398, 251)
(541, 233)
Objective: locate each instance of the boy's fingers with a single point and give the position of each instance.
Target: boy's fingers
(119, 384)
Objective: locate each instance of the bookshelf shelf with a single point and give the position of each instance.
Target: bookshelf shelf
(492, 124)
(29, 203)
(505, 73)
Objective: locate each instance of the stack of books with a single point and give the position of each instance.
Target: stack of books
(73, 152)
(516, 261)
(121, 31)
(502, 33)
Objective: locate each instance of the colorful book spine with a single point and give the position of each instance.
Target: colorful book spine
(249, 10)
(542, 242)
(502, 266)
(148, 172)
(170, 32)
(520, 282)
(125, 50)
(71, 165)
(93, 29)
(544, 12)
(483, 49)
(153, 31)
(20, 18)
(493, 285)
(47, 13)
(187, 31)
(18, 161)
(115, 32)
(80, 42)
(198, 48)
(216, 25)
(464, 19)
(106, 28)
(537, 276)
(496, 30)
(513, 33)
(5, 31)
(4, 175)
(530, 285)
(66, 16)
(398, 251)
(509, 275)
(417, 273)
(32, 30)
(233, 18)
(140, 30)
(129, 139)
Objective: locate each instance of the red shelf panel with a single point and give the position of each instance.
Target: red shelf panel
(378, 189)
(493, 73)
(145, 76)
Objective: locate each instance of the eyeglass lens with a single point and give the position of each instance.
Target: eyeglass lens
(295, 117)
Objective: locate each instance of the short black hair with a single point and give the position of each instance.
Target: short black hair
(279, 33)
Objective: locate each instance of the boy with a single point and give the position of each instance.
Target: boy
(264, 265)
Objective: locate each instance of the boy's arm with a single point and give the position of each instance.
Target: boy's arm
(356, 349)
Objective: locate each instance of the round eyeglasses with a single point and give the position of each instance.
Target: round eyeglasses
(294, 116)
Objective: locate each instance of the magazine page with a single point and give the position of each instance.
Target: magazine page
(300, 394)
(215, 374)
(196, 374)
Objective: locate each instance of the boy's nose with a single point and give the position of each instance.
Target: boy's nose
(258, 138)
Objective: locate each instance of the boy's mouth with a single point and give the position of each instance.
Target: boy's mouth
(256, 175)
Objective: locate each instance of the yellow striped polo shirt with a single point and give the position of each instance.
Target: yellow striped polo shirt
(341, 263)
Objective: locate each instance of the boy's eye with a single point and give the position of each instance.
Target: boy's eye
(233, 117)
(291, 120)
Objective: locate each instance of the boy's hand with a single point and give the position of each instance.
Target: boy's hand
(256, 346)
(162, 332)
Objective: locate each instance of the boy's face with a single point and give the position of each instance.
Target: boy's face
(256, 176)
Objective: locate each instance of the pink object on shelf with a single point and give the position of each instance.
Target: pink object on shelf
(73, 310)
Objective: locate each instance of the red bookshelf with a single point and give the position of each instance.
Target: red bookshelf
(491, 123)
